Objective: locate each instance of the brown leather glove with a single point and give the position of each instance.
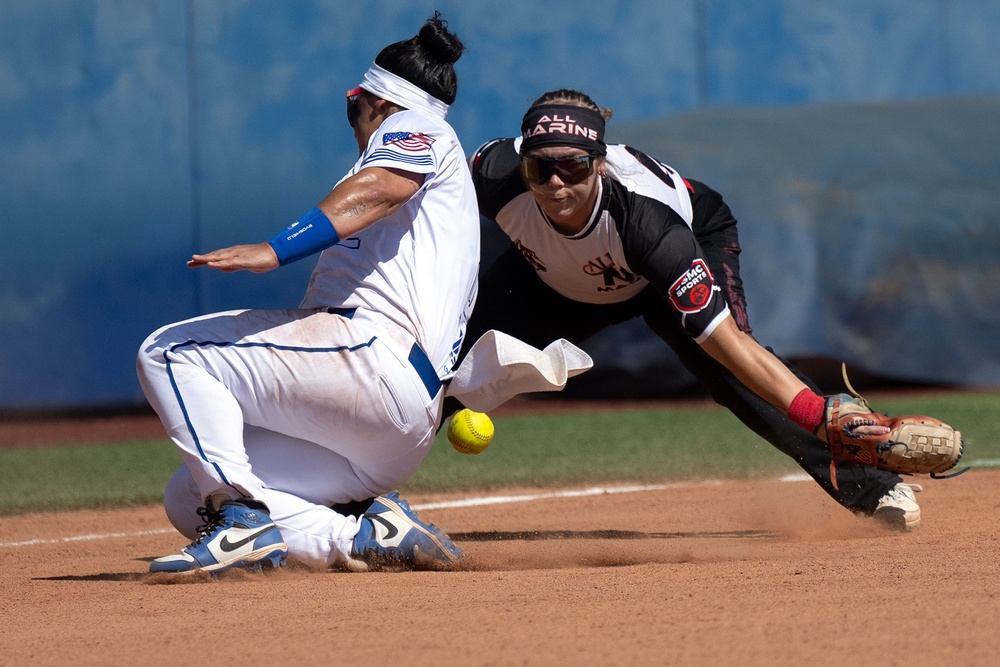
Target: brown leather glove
(914, 444)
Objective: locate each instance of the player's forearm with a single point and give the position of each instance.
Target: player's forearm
(356, 203)
(362, 200)
(762, 372)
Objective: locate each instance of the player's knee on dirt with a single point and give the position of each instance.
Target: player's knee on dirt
(181, 500)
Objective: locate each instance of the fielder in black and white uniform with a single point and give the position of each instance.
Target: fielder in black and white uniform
(603, 234)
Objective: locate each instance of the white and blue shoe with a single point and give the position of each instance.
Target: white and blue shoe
(234, 536)
(392, 537)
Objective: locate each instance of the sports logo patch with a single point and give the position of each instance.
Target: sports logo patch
(408, 141)
(693, 290)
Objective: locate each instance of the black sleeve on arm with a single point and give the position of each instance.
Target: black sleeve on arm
(657, 243)
(496, 175)
(660, 246)
(710, 214)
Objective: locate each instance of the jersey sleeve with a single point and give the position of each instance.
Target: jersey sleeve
(496, 175)
(661, 247)
(710, 212)
(402, 142)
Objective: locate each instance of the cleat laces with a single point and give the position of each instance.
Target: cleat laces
(211, 519)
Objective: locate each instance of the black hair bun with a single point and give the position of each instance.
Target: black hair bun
(434, 36)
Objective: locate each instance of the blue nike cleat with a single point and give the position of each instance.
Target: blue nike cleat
(234, 536)
(391, 536)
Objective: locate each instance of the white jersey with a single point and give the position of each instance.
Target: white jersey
(596, 250)
(418, 266)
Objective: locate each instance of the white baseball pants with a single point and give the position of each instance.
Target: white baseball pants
(299, 409)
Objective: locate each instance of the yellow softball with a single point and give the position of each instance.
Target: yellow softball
(470, 432)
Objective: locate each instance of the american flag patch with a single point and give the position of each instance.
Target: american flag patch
(408, 141)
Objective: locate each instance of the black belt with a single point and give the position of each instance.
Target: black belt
(418, 358)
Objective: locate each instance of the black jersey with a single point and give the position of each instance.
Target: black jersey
(639, 234)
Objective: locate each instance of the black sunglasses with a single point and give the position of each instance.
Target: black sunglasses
(352, 106)
(570, 170)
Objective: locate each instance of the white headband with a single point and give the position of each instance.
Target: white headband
(399, 91)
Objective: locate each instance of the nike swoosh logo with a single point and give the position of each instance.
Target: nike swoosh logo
(226, 545)
(392, 531)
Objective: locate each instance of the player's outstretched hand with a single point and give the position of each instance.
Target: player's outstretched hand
(257, 257)
(910, 445)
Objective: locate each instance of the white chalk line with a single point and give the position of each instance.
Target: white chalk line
(447, 504)
(470, 502)
(578, 493)
(84, 538)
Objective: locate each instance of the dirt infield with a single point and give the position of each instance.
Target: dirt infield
(734, 573)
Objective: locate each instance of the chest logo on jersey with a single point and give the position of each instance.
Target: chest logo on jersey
(693, 290)
(615, 277)
(408, 141)
(531, 256)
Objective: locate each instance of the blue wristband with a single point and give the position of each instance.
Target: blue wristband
(309, 234)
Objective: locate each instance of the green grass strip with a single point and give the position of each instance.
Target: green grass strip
(85, 476)
(635, 446)
(662, 444)
(642, 446)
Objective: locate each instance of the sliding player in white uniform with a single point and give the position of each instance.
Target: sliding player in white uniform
(281, 415)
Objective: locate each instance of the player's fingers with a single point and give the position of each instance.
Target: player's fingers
(239, 263)
(206, 258)
(257, 258)
(213, 258)
(871, 430)
(227, 264)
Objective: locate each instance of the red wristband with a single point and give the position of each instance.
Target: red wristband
(807, 409)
